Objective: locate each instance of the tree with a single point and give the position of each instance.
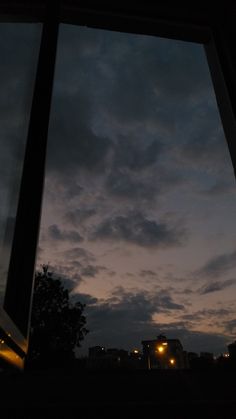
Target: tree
(57, 326)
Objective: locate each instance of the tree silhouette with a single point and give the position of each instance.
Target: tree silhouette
(57, 326)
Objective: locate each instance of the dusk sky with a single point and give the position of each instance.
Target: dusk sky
(140, 201)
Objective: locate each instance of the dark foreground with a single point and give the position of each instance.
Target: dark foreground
(71, 393)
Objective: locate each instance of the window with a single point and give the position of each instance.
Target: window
(19, 46)
(139, 197)
(157, 20)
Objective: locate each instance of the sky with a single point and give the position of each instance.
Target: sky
(139, 199)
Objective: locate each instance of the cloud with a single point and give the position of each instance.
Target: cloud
(230, 326)
(124, 184)
(91, 270)
(55, 233)
(78, 216)
(126, 317)
(221, 187)
(84, 149)
(218, 265)
(78, 253)
(125, 320)
(216, 286)
(149, 185)
(151, 301)
(73, 190)
(148, 273)
(205, 314)
(136, 155)
(137, 229)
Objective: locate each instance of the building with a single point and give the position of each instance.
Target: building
(102, 358)
(163, 353)
(232, 351)
(96, 351)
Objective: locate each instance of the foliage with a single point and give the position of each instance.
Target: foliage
(57, 326)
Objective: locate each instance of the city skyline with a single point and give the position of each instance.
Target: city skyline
(140, 196)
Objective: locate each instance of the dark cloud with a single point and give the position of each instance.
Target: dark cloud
(126, 319)
(218, 265)
(230, 326)
(91, 270)
(73, 190)
(136, 96)
(148, 273)
(150, 302)
(219, 188)
(55, 233)
(73, 144)
(205, 314)
(137, 229)
(78, 216)
(134, 155)
(79, 253)
(216, 286)
(105, 102)
(124, 184)
(84, 149)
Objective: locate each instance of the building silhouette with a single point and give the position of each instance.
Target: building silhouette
(232, 352)
(163, 353)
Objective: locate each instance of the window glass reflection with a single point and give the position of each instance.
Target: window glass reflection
(19, 47)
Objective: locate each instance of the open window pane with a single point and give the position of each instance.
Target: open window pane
(19, 47)
(140, 194)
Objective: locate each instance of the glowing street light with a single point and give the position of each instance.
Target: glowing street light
(160, 349)
(172, 361)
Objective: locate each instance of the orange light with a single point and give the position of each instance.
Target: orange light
(160, 349)
(172, 361)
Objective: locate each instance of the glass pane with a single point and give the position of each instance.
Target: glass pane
(140, 198)
(19, 48)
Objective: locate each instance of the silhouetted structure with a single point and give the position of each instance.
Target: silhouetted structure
(232, 353)
(163, 353)
(102, 358)
(96, 352)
